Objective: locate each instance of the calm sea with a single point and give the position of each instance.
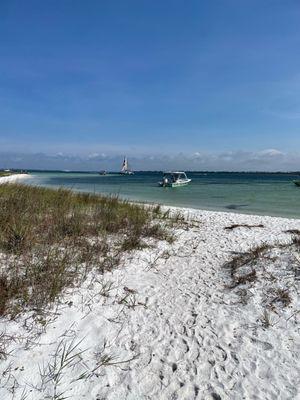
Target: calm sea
(251, 193)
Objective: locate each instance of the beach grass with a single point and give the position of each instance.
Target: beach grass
(50, 239)
(7, 173)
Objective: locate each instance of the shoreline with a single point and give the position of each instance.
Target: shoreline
(192, 210)
(17, 177)
(13, 178)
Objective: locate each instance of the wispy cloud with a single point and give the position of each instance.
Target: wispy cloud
(264, 160)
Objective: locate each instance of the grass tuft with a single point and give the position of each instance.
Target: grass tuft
(248, 258)
(281, 296)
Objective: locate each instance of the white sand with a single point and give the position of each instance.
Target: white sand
(13, 178)
(169, 307)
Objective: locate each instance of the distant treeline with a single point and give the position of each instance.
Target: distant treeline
(160, 171)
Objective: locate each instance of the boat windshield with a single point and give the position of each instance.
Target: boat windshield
(175, 176)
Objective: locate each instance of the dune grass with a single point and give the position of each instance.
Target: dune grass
(50, 239)
(7, 173)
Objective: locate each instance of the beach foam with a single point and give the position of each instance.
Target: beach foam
(169, 311)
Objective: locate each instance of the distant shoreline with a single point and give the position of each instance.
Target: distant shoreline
(13, 178)
(160, 170)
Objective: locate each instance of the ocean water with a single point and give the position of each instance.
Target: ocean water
(250, 193)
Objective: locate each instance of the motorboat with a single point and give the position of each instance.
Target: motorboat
(174, 179)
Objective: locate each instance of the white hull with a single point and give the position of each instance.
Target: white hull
(182, 182)
(174, 179)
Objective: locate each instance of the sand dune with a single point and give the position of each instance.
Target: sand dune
(168, 323)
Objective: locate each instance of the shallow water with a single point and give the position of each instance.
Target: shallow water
(250, 193)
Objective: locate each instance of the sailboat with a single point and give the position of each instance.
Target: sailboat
(125, 168)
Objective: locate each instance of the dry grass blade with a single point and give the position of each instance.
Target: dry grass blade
(246, 258)
(234, 226)
(52, 375)
(241, 280)
(293, 231)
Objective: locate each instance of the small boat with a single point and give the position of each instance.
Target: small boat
(102, 172)
(297, 183)
(125, 168)
(174, 179)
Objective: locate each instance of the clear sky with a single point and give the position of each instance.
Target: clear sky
(150, 77)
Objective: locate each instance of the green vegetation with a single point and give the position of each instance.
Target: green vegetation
(50, 239)
(7, 173)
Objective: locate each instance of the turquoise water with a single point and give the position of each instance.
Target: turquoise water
(250, 193)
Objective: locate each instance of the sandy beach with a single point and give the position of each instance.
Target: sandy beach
(169, 324)
(14, 178)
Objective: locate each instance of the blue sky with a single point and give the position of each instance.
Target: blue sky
(86, 78)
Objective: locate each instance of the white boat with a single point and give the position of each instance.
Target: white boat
(174, 179)
(125, 168)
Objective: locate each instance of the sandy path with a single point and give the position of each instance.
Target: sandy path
(192, 339)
